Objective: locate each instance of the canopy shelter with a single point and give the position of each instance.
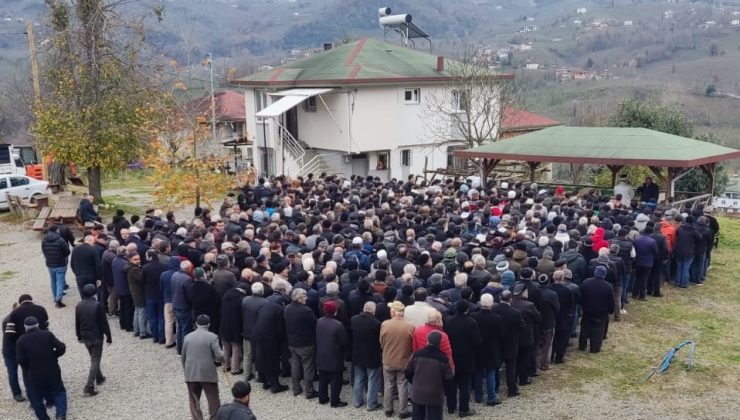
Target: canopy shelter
(289, 99)
(614, 147)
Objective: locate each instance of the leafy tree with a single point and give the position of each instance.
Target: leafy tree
(96, 108)
(634, 113)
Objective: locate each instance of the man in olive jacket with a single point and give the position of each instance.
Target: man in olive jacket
(200, 353)
(427, 370)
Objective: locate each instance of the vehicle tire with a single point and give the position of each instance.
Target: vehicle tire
(32, 200)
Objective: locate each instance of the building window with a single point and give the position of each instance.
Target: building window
(460, 100)
(406, 157)
(412, 96)
(309, 105)
(382, 162)
(260, 100)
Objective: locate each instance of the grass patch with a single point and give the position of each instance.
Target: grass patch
(127, 179)
(705, 314)
(7, 275)
(114, 202)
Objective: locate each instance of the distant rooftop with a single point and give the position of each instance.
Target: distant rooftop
(514, 119)
(230, 106)
(366, 61)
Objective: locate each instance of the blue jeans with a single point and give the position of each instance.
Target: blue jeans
(372, 377)
(625, 287)
(49, 391)
(490, 375)
(11, 365)
(155, 317)
(56, 275)
(697, 268)
(682, 271)
(184, 319)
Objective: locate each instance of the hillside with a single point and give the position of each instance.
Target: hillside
(669, 51)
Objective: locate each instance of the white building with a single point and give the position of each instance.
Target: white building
(361, 108)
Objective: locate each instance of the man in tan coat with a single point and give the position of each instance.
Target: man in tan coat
(396, 337)
(200, 353)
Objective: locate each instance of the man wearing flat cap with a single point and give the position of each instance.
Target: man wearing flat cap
(200, 353)
(597, 302)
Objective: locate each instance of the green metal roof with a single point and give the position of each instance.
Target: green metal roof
(604, 145)
(366, 61)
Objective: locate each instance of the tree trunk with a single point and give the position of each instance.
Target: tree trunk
(94, 187)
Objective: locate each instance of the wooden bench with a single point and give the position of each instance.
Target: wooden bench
(66, 210)
(40, 223)
(17, 205)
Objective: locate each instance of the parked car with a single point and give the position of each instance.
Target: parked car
(24, 186)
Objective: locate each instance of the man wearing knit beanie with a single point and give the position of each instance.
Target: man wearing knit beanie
(200, 353)
(331, 346)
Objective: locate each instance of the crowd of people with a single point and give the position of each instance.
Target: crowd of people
(417, 291)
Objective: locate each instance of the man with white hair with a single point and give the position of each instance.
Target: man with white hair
(182, 283)
(489, 356)
(396, 343)
(251, 306)
(300, 327)
(366, 357)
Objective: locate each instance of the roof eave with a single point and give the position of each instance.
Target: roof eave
(602, 161)
(529, 127)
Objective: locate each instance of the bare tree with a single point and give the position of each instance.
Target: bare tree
(468, 109)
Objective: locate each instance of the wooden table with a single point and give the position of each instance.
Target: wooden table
(66, 210)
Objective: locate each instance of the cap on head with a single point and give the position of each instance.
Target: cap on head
(241, 389)
(600, 271)
(31, 322)
(25, 298)
(203, 320)
(330, 308)
(434, 338)
(89, 290)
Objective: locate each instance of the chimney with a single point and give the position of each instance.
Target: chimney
(327, 46)
(440, 64)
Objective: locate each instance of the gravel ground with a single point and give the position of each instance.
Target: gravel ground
(145, 381)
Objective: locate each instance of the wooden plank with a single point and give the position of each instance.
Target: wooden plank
(40, 221)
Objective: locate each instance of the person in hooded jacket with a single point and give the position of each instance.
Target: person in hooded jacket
(56, 253)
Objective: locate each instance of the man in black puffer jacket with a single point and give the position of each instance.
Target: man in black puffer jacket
(85, 263)
(56, 253)
(91, 324)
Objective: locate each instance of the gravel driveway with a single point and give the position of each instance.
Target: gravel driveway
(145, 381)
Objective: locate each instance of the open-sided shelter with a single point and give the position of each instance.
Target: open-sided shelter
(614, 147)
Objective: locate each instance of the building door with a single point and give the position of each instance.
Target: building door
(360, 165)
(405, 163)
(291, 122)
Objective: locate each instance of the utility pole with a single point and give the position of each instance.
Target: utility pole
(34, 61)
(209, 59)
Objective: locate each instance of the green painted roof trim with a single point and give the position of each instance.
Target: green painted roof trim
(604, 145)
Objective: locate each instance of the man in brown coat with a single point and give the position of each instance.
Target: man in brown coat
(396, 337)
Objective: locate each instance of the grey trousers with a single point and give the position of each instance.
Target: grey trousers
(247, 365)
(303, 359)
(140, 325)
(544, 352)
(211, 391)
(96, 353)
(395, 382)
(233, 356)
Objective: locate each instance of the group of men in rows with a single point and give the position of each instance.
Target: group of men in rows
(427, 290)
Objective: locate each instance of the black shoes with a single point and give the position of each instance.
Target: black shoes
(493, 403)
(100, 381)
(90, 392)
(340, 404)
(311, 395)
(297, 392)
(59, 304)
(19, 398)
(280, 388)
(467, 413)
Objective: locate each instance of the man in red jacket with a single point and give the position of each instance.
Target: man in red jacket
(434, 323)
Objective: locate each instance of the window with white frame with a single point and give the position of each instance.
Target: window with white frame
(260, 100)
(412, 96)
(406, 157)
(460, 100)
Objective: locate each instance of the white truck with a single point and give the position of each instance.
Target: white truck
(10, 161)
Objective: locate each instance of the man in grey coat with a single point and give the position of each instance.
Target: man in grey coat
(200, 353)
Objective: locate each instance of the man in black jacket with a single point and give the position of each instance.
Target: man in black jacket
(513, 328)
(525, 358)
(489, 355)
(549, 310)
(567, 300)
(366, 356)
(13, 329)
(91, 324)
(56, 251)
(85, 263)
(153, 299)
(300, 327)
(331, 345)
(464, 340)
(597, 301)
(37, 352)
(427, 370)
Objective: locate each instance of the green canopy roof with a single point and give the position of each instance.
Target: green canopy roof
(604, 145)
(366, 61)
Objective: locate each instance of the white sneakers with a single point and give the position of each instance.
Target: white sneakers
(623, 312)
